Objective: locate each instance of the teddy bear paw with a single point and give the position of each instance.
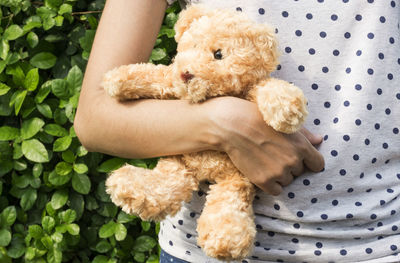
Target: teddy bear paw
(283, 108)
(226, 236)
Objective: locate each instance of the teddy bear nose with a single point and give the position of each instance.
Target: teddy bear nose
(186, 76)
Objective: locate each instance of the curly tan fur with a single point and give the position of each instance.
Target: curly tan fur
(249, 54)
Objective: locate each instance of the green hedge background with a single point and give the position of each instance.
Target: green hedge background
(52, 196)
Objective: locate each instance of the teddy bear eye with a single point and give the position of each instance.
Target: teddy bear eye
(218, 54)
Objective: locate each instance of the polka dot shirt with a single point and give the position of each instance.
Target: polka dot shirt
(345, 56)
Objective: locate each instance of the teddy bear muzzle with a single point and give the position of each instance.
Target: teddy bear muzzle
(186, 76)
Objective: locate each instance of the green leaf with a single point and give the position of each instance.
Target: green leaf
(54, 255)
(120, 232)
(59, 20)
(74, 79)
(43, 92)
(145, 225)
(62, 144)
(103, 246)
(81, 183)
(8, 133)
(8, 216)
(4, 89)
(19, 99)
(31, 127)
(4, 49)
(35, 231)
(138, 163)
(37, 170)
(48, 23)
(32, 22)
(87, 41)
(58, 180)
(5, 237)
(35, 151)
(139, 257)
(32, 39)
(152, 259)
(45, 110)
(47, 242)
(13, 32)
(77, 203)
(144, 243)
(81, 151)
(55, 130)
(111, 165)
(63, 168)
(32, 79)
(28, 199)
(54, 4)
(48, 223)
(3, 65)
(158, 54)
(108, 229)
(169, 32)
(5, 167)
(59, 198)
(59, 88)
(16, 248)
(30, 253)
(43, 60)
(73, 229)
(100, 259)
(65, 9)
(125, 218)
(80, 168)
(67, 216)
(57, 237)
(10, 3)
(68, 156)
(17, 152)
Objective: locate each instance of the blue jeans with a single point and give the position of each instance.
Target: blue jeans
(167, 258)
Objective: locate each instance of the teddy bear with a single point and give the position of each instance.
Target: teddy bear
(219, 53)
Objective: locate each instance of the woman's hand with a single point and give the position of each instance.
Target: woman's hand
(268, 158)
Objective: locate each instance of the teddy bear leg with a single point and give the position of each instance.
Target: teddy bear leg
(281, 103)
(152, 194)
(226, 226)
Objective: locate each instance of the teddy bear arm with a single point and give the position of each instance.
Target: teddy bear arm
(139, 81)
(282, 104)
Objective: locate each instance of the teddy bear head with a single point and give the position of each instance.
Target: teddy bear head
(220, 52)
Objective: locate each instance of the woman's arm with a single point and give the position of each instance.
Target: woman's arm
(126, 34)
(148, 128)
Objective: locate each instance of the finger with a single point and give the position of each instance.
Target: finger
(298, 169)
(274, 189)
(312, 138)
(314, 160)
(285, 179)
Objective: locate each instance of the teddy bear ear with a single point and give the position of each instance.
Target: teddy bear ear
(187, 16)
(266, 43)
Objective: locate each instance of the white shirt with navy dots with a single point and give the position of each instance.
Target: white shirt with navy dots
(345, 56)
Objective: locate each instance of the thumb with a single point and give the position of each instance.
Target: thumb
(312, 138)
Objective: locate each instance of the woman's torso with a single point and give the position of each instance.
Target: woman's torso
(345, 56)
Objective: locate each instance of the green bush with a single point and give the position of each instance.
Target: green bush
(52, 196)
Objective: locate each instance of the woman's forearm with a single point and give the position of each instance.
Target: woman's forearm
(144, 128)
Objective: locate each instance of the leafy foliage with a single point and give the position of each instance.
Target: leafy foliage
(53, 205)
